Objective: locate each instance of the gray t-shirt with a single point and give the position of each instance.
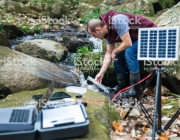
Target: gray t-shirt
(120, 23)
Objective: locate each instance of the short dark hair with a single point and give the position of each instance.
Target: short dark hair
(93, 23)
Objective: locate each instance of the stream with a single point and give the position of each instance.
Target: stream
(57, 36)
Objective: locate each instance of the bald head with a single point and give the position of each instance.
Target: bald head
(93, 23)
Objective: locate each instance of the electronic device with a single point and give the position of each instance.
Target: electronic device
(62, 116)
(67, 120)
(101, 86)
(55, 96)
(17, 119)
(23, 118)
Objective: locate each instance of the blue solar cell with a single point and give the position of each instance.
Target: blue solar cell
(152, 43)
(158, 43)
(162, 43)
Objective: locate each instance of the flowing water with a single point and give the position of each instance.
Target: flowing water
(69, 61)
(50, 35)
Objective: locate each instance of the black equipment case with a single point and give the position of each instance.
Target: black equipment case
(52, 133)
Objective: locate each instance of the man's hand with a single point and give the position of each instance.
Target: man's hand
(99, 77)
(113, 56)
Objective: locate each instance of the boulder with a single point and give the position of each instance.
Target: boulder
(73, 43)
(17, 7)
(4, 41)
(112, 2)
(84, 9)
(60, 9)
(44, 49)
(99, 111)
(82, 33)
(19, 72)
(23, 1)
(170, 17)
(140, 5)
(10, 31)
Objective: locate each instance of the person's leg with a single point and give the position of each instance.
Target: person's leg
(131, 58)
(121, 70)
(133, 66)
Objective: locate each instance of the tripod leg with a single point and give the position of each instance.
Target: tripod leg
(127, 114)
(172, 120)
(146, 113)
(158, 91)
(159, 107)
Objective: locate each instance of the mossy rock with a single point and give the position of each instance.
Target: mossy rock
(17, 7)
(170, 17)
(20, 72)
(139, 6)
(10, 31)
(60, 9)
(44, 49)
(100, 114)
(84, 9)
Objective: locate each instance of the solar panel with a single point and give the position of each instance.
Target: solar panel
(161, 43)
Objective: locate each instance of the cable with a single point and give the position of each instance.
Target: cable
(130, 86)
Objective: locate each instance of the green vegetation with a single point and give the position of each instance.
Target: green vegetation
(5, 32)
(175, 102)
(94, 14)
(38, 29)
(2, 31)
(88, 62)
(25, 28)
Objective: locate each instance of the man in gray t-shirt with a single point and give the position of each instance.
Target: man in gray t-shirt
(120, 27)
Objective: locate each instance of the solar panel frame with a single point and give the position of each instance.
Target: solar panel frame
(158, 43)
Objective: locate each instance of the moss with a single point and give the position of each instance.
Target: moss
(170, 112)
(4, 52)
(60, 47)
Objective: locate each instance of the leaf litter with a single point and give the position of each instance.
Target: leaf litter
(139, 128)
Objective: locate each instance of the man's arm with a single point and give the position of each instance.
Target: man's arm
(126, 42)
(106, 63)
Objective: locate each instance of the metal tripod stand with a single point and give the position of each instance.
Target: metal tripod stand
(156, 121)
